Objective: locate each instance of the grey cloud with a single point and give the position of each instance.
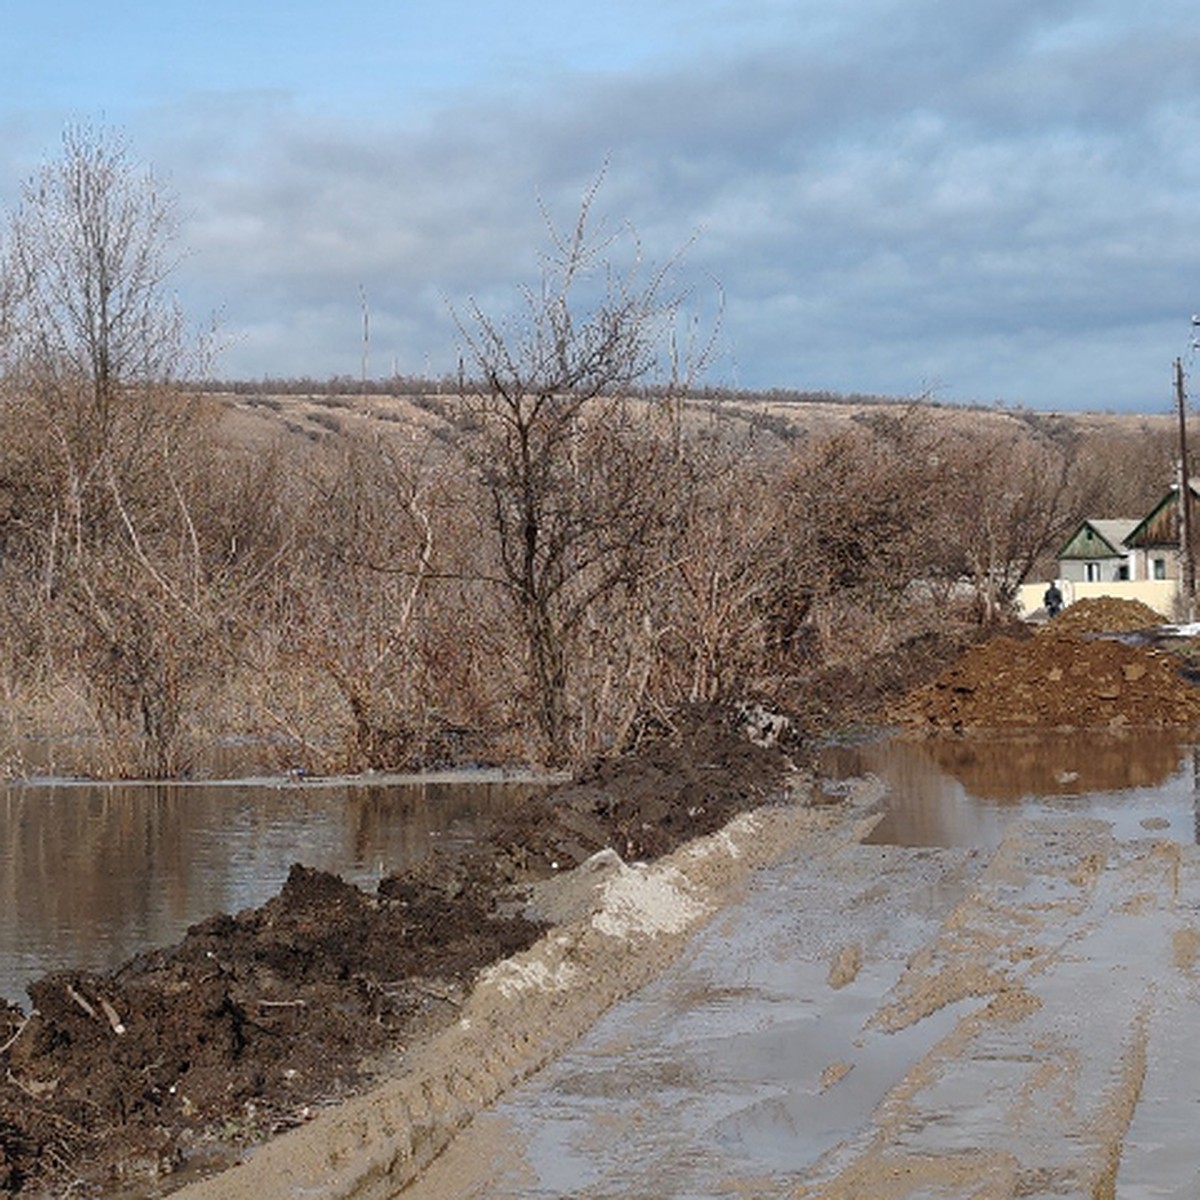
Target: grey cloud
(941, 199)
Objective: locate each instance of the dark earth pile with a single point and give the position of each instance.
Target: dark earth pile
(1073, 674)
(255, 1019)
(846, 696)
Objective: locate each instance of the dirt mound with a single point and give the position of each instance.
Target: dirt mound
(848, 697)
(1103, 614)
(1053, 682)
(253, 1020)
(246, 1020)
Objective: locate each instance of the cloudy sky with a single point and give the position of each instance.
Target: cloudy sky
(995, 201)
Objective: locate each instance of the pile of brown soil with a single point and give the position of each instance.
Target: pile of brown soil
(852, 696)
(1053, 681)
(253, 1020)
(1104, 614)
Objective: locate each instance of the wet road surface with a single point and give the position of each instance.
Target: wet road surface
(883, 1021)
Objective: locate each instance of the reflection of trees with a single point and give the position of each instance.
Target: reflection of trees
(397, 826)
(78, 860)
(944, 792)
(1008, 769)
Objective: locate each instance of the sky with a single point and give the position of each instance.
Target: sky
(994, 202)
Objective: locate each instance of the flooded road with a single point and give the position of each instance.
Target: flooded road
(974, 976)
(964, 793)
(990, 995)
(91, 874)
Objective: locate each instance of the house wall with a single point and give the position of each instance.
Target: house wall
(1159, 594)
(1109, 569)
(1143, 562)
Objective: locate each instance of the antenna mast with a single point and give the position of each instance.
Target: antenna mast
(366, 338)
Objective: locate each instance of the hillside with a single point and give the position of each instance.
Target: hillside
(780, 417)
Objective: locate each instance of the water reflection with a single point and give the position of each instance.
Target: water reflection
(960, 793)
(1057, 765)
(90, 874)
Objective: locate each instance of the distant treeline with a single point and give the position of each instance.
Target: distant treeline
(424, 385)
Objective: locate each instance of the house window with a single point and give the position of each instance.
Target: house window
(1091, 572)
(1159, 568)
(1123, 571)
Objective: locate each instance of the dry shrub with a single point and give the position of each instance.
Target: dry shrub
(344, 601)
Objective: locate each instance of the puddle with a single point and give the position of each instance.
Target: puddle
(958, 793)
(91, 874)
(987, 1040)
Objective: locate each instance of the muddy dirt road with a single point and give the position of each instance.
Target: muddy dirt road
(863, 1021)
(876, 1021)
(883, 1022)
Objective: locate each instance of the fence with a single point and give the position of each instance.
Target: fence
(1162, 595)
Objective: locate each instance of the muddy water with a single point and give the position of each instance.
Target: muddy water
(90, 874)
(958, 793)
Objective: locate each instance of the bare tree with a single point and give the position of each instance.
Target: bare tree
(1011, 501)
(574, 482)
(92, 344)
(729, 549)
(92, 338)
(87, 257)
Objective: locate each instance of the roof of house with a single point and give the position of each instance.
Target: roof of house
(1160, 527)
(1102, 537)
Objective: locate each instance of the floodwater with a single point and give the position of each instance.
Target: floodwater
(1020, 927)
(965, 793)
(91, 873)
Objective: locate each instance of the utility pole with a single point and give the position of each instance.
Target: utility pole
(1186, 546)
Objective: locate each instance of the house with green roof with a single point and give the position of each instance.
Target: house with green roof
(1123, 558)
(1096, 552)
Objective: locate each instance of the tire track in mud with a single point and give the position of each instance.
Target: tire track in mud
(1068, 945)
(755, 1039)
(617, 926)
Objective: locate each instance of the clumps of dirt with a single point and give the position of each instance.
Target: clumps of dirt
(676, 788)
(249, 1019)
(1053, 681)
(1103, 614)
(255, 1019)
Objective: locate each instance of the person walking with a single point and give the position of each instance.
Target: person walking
(1053, 600)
